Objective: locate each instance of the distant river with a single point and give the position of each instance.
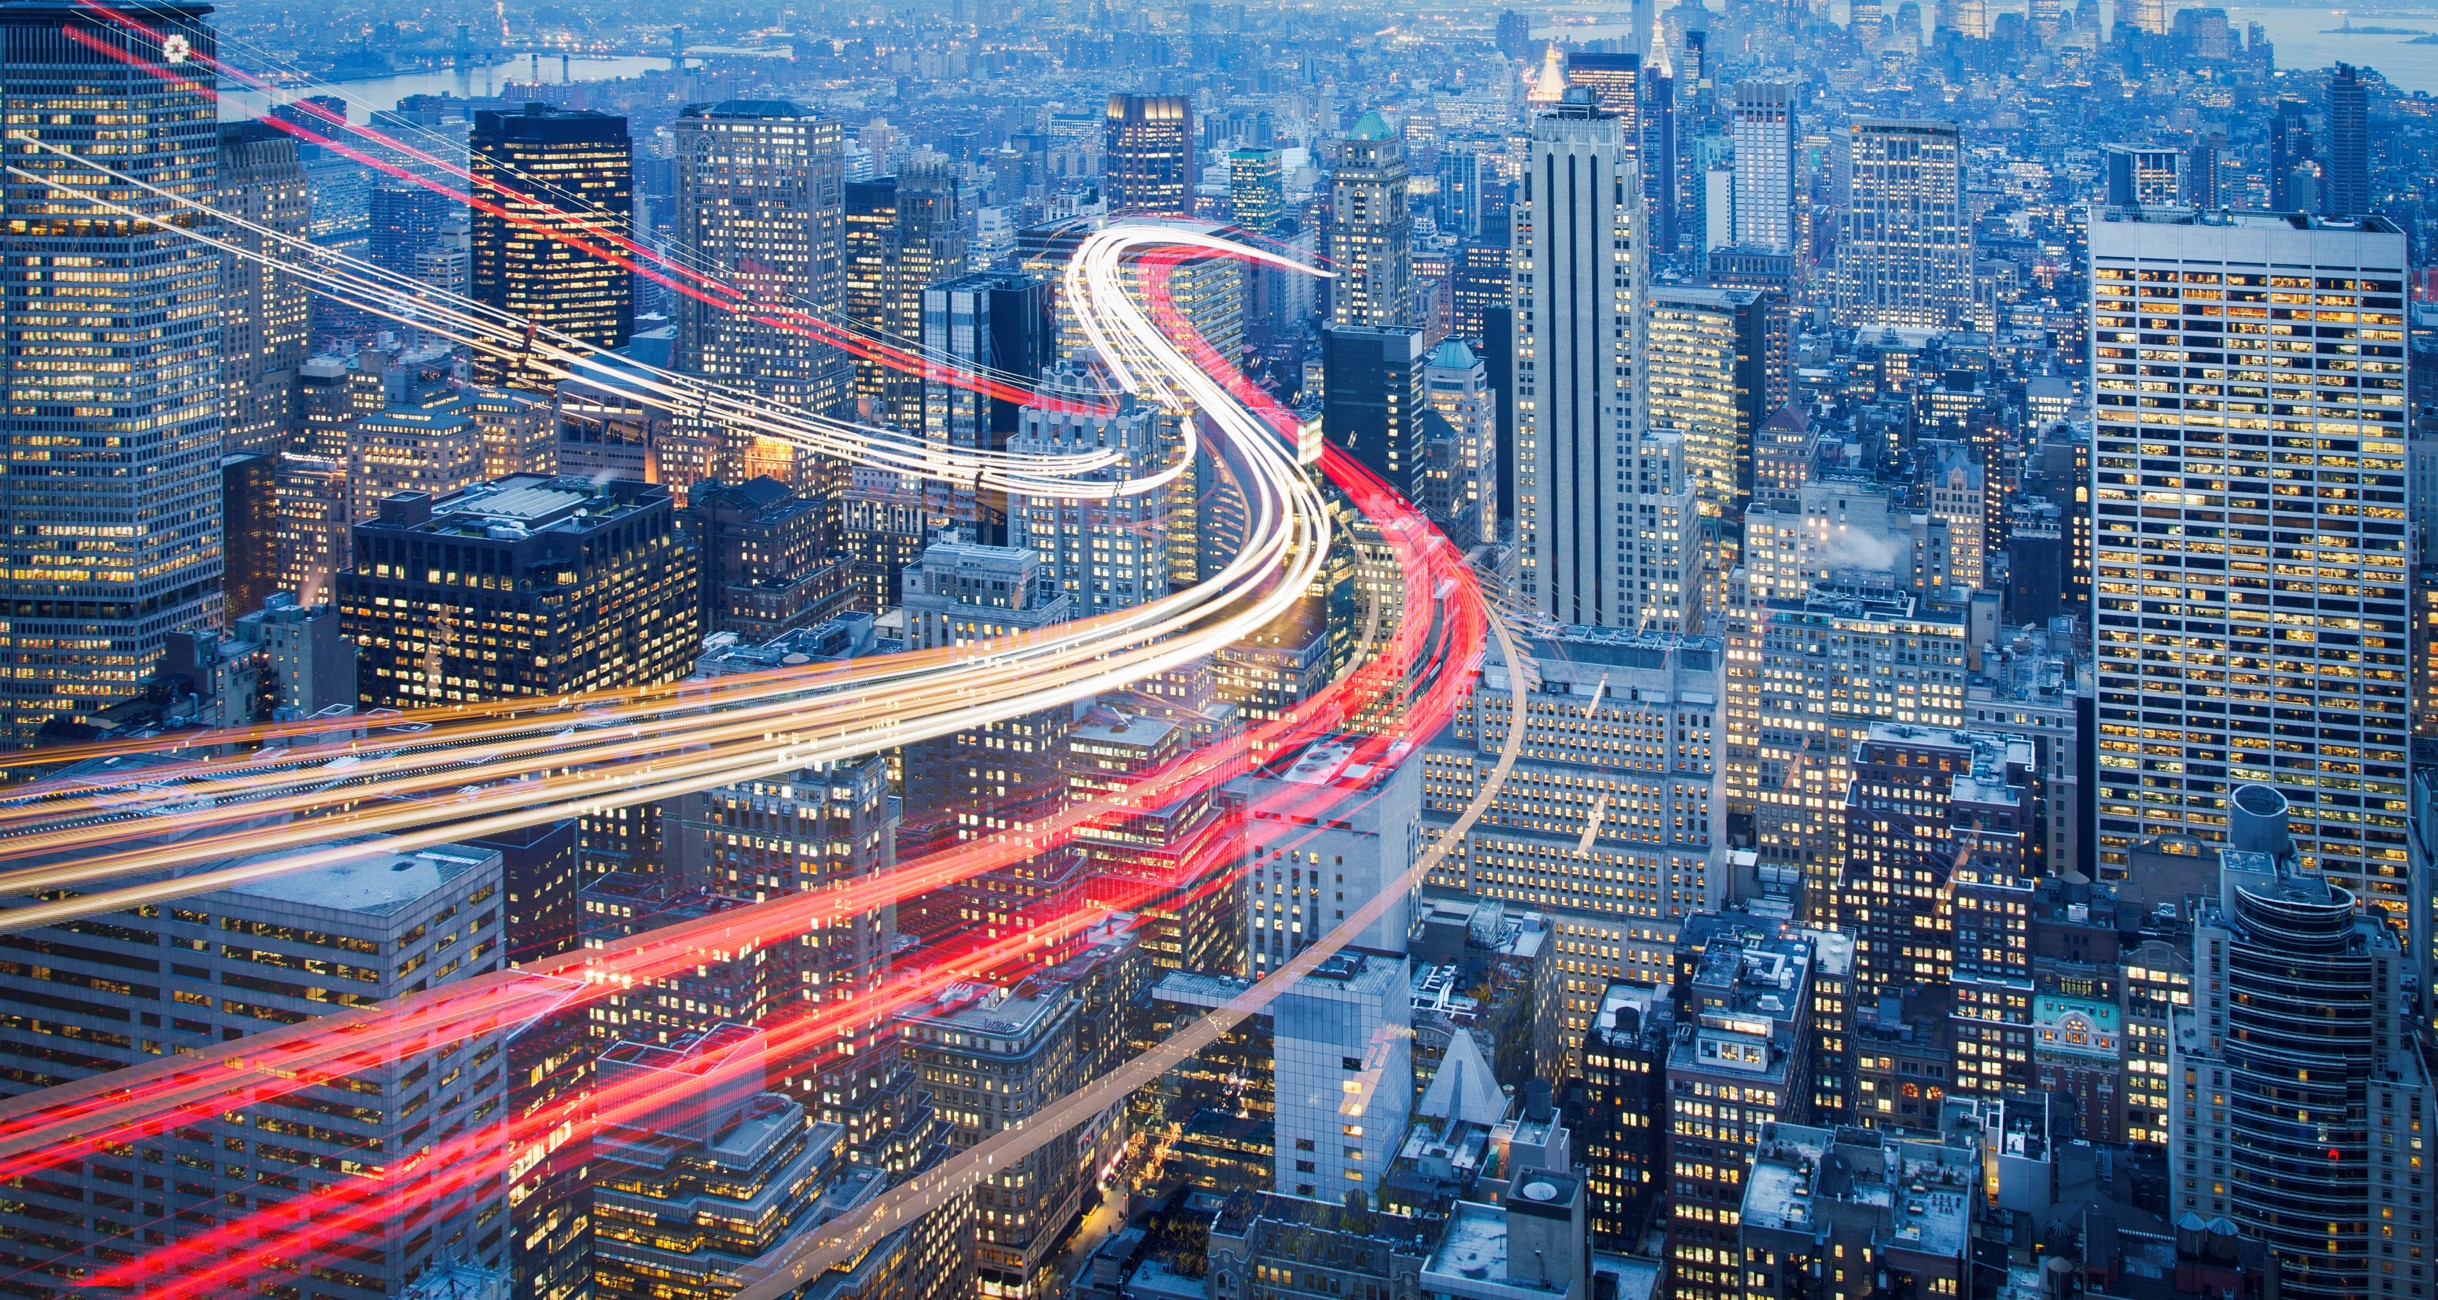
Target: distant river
(381, 93)
(2300, 33)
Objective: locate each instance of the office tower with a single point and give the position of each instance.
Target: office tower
(2201, 186)
(731, 1173)
(2149, 16)
(1483, 281)
(1658, 152)
(1457, 206)
(1611, 823)
(1147, 154)
(520, 432)
(249, 524)
(2347, 192)
(113, 484)
(1904, 254)
(1256, 189)
(409, 224)
(1371, 400)
(1957, 492)
(1937, 835)
(1461, 449)
(1625, 1073)
(265, 315)
(1371, 230)
(2296, 1092)
(433, 450)
(903, 234)
(1303, 881)
(990, 1064)
(1743, 1067)
(2293, 179)
(2145, 175)
(1193, 914)
(526, 587)
(1709, 352)
(1514, 34)
(1761, 119)
(1344, 1075)
(568, 174)
(990, 322)
(1615, 81)
(1807, 676)
(769, 562)
(1580, 273)
(2197, 694)
(1105, 553)
(381, 923)
(2047, 18)
(759, 205)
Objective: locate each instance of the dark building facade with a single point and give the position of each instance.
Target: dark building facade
(567, 176)
(1372, 399)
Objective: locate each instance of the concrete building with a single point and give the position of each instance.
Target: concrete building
(1344, 1075)
(2190, 688)
(1371, 230)
(1306, 877)
(1904, 253)
(1578, 355)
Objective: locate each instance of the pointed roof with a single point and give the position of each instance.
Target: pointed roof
(1372, 127)
(1464, 1090)
(1552, 85)
(1452, 355)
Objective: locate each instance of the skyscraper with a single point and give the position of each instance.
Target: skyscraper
(992, 321)
(571, 173)
(2347, 192)
(529, 586)
(1904, 256)
(1147, 154)
(2292, 179)
(903, 234)
(265, 315)
(1106, 553)
(2298, 1105)
(759, 205)
(1615, 81)
(1256, 194)
(1458, 206)
(1763, 122)
(1579, 276)
(2214, 462)
(1709, 354)
(1371, 233)
(112, 489)
(1371, 400)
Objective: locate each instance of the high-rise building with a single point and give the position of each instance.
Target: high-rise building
(2197, 691)
(1709, 360)
(1256, 189)
(1738, 1067)
(378, 924)
(995, 323)
(409, 222)
(1483, 281)
(1762, 120)
(1580, 273)
(2145, 175)
(1344, 1074)
(903, 234)
(760, 205)
(1147, 154)
(568, 177)
(1615, 81)
(1371, 229)
(1372, 400)
(1611, 823)
(2346, 192)
(2296, 1092)
(112, 489)
(1106, 553)
(432, 449)
(1460, 450)
(249, 523)
(1625, 1071)
(769, 556)
(265, 314)
(1457, 206)
(2293, 176)
(529, 586)
(1904, 254)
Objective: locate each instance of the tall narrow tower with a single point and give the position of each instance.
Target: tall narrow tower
(572, 175)
(1147, 154)
(112, 439)
(1763, 122)
(1904, 257)
(1579, 276)
(1371, 239)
